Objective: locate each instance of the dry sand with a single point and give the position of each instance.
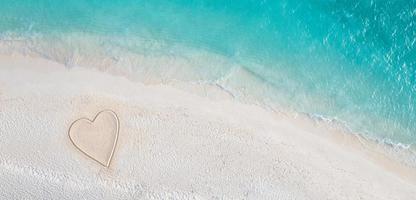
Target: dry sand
(173, 144)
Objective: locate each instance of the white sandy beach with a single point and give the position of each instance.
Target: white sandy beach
(173, 144)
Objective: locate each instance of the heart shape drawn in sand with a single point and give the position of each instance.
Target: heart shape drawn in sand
(96, 138)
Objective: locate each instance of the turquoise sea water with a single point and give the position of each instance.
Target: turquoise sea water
(353, 61)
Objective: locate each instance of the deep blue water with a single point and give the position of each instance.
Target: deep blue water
(353, 60)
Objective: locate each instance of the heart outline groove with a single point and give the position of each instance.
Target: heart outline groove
(90, 122)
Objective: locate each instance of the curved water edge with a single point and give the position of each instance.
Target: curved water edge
(353, 61)
(161, 63)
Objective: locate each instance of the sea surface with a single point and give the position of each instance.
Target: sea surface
(350, 61)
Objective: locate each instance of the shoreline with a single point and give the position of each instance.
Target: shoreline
(277, 132)
(152, 72)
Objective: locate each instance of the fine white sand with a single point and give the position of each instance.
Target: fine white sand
(173, 144)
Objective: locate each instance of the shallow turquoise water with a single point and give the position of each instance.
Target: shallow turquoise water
(353, 61)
